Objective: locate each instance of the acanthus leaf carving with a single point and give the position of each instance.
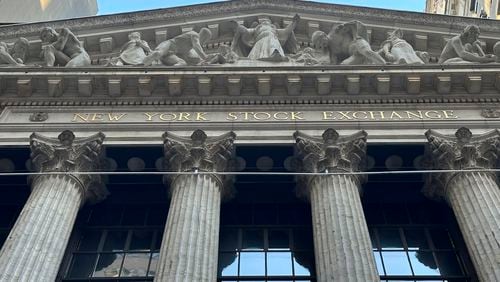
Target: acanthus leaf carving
(66, 154)
(458, 154)
(329, 154)
(199, 153)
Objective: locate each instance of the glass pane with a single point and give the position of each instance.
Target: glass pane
(229, 239)
(253, 239)
(157, 216)
(141, 240)
(373, 214)
(279, 263)
(448, 263)
(396, 214)
(265, 214)
(373, 239)
(106, 216)
(378, 262)
(135, 265)
(158, 239)
(252, 263)
(7, 216)
(82, 266)
(279, 239)
(228, 264)
(396, 263)
(153, 264)
(423, 263)
(90, 240)
(416, 239)
(134, 216)
(115, 241)
(390, 239)
(108, 265)
(303, 239)
(441, 239)
(303, 263)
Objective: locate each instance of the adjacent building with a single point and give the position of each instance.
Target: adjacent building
(26, 11)
(250, 140)
(465, 8)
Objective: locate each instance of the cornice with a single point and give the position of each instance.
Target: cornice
(223, 8)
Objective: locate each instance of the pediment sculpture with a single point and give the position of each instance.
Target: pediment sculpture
(63, 48)
(263, 42)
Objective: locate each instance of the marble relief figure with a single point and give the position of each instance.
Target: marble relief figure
(184, 49)
(465, 49)
(63, 49)
(265, 41)
(396, 50)
(133, 52)
(17, 55)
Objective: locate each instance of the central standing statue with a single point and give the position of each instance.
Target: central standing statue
(265, 41)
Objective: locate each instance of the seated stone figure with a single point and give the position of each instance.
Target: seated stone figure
(17, 55)
(64, 49)
(225, 55)
(465, 49)
(351, 39)
(496, 51)
(184, 49)
(319, 55)
(397, 51)
(133, 52)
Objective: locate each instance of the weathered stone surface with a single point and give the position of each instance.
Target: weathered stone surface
(37, 242)
(190, 245)
(471, 191)
(342, 244)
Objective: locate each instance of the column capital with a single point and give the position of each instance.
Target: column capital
(199, 153)
(69, 154)
(331, 152)
(461, 152)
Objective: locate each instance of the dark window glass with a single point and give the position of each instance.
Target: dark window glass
(228, 239)
(390, 239)
(448, 263)
(141, 240)
(441, 239)
(253, 239)
(115, 241)
(82, 265)
(416, 238)
(90, 240)
(279, 239)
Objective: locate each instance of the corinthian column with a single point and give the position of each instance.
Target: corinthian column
(37, 242)
(190, 245)
(342, 245)
(472, 192)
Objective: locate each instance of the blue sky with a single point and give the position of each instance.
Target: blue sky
(120, 6)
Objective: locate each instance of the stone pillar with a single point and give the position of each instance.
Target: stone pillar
(189, 250)
(342, 245)
(471, 191)
(37, 242)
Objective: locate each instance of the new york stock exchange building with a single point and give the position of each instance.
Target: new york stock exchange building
(251, 141)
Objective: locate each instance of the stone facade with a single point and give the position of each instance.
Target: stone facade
(280, 73)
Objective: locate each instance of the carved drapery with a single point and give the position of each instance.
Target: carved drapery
(471, 191)
(189, 248)
(342, 244)
(36, 244)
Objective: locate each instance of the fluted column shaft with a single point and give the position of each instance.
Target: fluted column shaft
(36, 245)
(342, 243)
(475, 200)
(189, 250)
(190, 245)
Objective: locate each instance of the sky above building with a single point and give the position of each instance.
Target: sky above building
(120, 6)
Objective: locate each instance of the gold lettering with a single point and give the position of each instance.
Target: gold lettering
(168, 116)
(265, 115)
(150, 116)
(231, 116)
(345, 115)
(372, 115)
(97, 117)
(185, 116)
(448, 114)
(296, 116)
(328, 116)
(355, 115)
(284, 116)
(80, 117)
(116, 117)
(393, 114)
(433, 114)
(201, 116)
(246, 115)
(411, 115)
